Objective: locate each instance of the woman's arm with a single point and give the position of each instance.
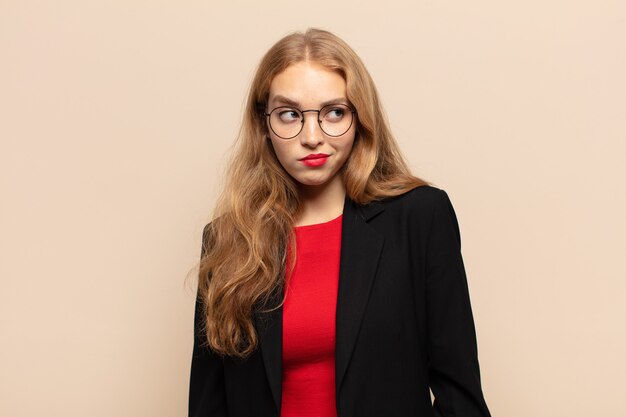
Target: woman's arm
(207, 397)
(452, 349)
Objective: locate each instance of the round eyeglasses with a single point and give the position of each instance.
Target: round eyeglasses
(334, 120)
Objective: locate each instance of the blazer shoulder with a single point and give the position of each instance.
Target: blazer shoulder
(423, 199)
(418, 208)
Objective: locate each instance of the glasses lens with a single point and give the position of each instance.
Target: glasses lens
(335, 119)
(286, 122)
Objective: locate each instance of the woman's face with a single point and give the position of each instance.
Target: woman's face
(312, 157)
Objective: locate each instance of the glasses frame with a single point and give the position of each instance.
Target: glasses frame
(319, 122)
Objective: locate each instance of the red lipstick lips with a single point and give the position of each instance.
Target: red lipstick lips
(315, 159)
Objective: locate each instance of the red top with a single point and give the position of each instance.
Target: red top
(309, 323)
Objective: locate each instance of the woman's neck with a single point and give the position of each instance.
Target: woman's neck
(321, 203)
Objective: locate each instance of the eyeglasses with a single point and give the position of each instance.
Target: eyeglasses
(334, 120)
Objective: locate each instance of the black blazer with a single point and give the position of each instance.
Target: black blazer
(404, 324)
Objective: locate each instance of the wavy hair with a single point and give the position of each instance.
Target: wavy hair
(243, 262)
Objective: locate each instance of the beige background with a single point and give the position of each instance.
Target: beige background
(116, 117)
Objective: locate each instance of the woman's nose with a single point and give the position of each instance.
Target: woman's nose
(312, 134)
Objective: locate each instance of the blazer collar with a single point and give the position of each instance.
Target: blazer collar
(361, 246)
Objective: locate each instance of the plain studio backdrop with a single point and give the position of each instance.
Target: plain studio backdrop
(116, 118)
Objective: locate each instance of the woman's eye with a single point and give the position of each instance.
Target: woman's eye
(288, 116)
(334, 114)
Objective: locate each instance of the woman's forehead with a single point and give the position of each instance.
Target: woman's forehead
(307, 83)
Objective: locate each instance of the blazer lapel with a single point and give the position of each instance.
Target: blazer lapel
(269, 326)
(361, 246)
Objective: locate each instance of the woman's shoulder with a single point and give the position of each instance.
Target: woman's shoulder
(419, 207)
(423, 208)
(422, 198)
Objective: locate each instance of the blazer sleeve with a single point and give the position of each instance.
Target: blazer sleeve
(207, 396)
(453, 368)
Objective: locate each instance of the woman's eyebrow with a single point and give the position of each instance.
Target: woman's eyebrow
(284, 100)
(342, 100)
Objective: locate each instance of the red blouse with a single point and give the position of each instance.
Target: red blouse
(309, 323)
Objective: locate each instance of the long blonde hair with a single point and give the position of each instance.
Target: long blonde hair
(243, 260)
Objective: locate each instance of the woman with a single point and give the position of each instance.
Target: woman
(331, 279)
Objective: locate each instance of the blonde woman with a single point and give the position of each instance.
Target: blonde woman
(331, 279)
